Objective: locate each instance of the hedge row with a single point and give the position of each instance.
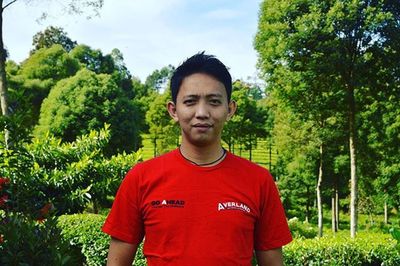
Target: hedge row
(83, 233)
(366, 249)
(88, 243)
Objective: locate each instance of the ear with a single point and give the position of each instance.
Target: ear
(171, 107)
(231, 109)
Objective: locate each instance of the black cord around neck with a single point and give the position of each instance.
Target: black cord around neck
(204, 164)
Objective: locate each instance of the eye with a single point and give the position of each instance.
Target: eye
(215, 101)
(189, 102)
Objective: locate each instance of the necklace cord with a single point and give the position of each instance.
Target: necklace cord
(204, 164)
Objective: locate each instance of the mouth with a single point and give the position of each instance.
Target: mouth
(202, 125)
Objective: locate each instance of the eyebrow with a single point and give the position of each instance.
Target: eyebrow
(196, 96)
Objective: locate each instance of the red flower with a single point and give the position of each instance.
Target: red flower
(4, 181)
(44, 211)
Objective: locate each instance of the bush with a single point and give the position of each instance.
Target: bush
(69, 175)
(302, 229)
(24, 241)
(83, 232)
(365, 249)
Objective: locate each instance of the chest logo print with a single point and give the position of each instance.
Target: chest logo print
(168, 203)
(230, 205)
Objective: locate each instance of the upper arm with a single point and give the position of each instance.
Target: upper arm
(272, 257)
(121, 253)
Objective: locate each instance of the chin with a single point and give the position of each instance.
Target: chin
(201, 142)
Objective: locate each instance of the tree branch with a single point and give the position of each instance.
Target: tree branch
(12, 2)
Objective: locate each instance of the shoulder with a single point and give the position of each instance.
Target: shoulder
(153, 165)
(245, 165)
(156, 161)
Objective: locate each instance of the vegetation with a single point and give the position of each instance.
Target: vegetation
(326, 124)
(330, 65)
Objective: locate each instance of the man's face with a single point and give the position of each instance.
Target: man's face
(201, 109)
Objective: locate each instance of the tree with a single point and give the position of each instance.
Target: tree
(345, 38)
(163, 130)
(72, 7)
(297, 163)
(248, 122)
(85, 102)
(159, 79)
(50, 36)
(38, 74)
(93, 60)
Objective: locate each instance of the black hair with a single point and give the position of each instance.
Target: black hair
(201, 63)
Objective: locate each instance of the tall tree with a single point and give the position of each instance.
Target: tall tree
(85, 102)
(248, 123)
(50, 36)
(163, 130)
(158, 79)
(71, 6)
(38, 74)
(345, 37)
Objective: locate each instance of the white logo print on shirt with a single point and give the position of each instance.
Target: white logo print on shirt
(230, 205)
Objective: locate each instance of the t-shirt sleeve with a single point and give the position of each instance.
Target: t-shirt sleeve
(271, 229)
(124, 221)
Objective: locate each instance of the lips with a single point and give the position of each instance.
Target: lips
(201, 125)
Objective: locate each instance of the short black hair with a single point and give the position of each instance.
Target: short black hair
(201, 63)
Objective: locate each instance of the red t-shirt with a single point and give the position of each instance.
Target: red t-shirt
(192, 215)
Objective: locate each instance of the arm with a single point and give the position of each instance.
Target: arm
(272, 257)
(120, 253)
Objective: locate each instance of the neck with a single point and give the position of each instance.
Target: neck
(203, 154)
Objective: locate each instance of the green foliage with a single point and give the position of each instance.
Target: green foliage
(83, 232)
(24, 241)
(248, 123)
(302, 229)
(396, 235)
(50, 36)
(94, 60)
(163, 130)
(85, 102)
(52, 63)
(315, 57)
(158, 80)
(366, 249)
(68, 175)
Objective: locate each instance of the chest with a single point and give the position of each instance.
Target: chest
(209, 202)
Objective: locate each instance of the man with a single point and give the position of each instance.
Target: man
(199, 204)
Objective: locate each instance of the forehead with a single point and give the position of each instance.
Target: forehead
(200, 84)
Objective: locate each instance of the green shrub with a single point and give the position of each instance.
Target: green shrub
(83, 232)
(24, 241)
(302, 229)
(365, 249)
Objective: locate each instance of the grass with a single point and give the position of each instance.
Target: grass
(260, 155)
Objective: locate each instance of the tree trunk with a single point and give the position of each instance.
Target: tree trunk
(353, 164)
(319, 198)
(270, 154)
(333, 211)
(308, 205)
(154, 147)
(3, 78)
(337, 205)
(385, 207)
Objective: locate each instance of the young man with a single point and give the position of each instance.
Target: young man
(199, 204)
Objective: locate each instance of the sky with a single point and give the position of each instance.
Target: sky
(150, 34)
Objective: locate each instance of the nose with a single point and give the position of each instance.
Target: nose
(202, 111)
